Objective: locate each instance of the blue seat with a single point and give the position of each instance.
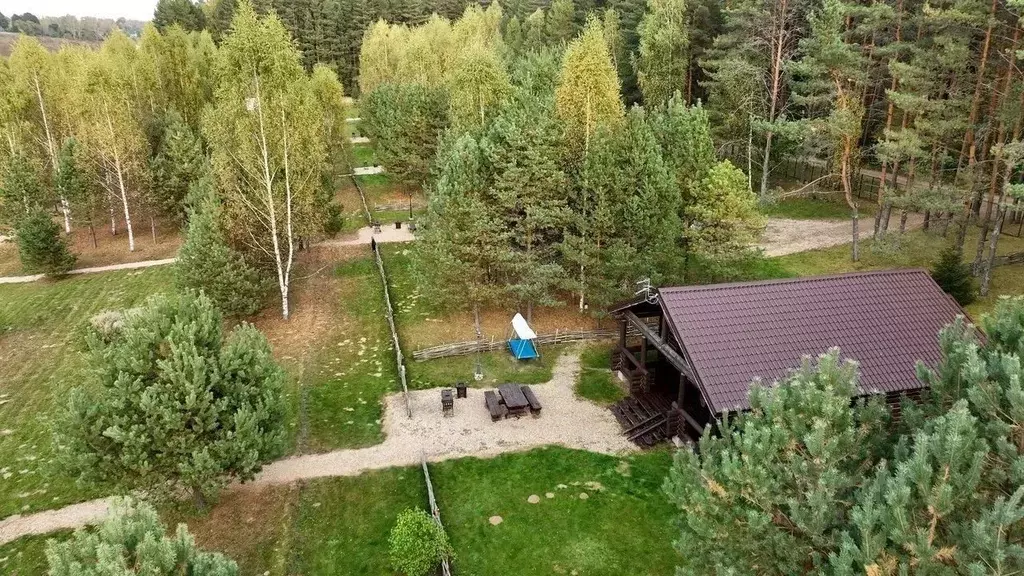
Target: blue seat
(522, 349)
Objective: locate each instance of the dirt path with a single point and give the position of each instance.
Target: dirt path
(91, 270)
(566, 420)
(786, 236)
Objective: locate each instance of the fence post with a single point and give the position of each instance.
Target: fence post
(435, 512)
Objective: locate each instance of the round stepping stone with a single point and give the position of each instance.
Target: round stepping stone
(550, 494)
(584, 496)
(533, 499)
(495, 520)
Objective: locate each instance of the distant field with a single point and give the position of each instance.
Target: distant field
(7, 40)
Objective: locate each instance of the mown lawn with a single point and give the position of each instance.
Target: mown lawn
(624, 526)
(26, 556)
(819, 207)
(342, 524)
(42, 356)
(354, 366)
(596, 381)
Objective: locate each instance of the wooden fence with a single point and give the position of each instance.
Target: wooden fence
(388, 309)
(435, 512)
(474, 346)
(1015, 258)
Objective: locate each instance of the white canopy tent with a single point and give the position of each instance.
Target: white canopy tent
(521, 328)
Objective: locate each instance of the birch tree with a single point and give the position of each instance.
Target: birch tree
(663, 59)
(34, 74)
(113, 128)
(264, 130)
(588, 88)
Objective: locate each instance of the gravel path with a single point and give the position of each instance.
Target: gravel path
(73, 516)
(566, 420)
(92, 270)
(387, 234)
(785, 236)
(368, 170)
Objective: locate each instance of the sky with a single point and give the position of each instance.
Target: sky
(130, 9)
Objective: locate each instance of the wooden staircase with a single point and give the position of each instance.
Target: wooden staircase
(643, 418)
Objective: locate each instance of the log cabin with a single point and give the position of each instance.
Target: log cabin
(688, 355)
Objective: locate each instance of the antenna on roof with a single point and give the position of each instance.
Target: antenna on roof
(644, 288)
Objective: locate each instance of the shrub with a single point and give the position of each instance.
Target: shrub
(134, 541)
(42, 247)
(206, 263)
(335, 220)
(954, 276)
(418, 544)
(175, 407)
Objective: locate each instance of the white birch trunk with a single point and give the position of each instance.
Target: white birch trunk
(282, 270)
(122, 189)
(51, 150)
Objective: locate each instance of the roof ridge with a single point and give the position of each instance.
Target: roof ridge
(797, 280)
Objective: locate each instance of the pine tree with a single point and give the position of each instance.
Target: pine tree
(41, 246)
(830, 79)
(804, 448)
(748, 69)
(181, 12)
(522, 151)
(663, 60)
(130, 541)
(179, 161)
(207, 264)
(954, 276)
(560, 23)
(721, 219)
(177, 407)
(405, 121)
(461, 241)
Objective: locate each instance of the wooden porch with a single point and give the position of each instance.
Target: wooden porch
(663, 400)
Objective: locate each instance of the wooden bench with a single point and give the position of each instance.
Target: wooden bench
(496, 408)
(532, 399)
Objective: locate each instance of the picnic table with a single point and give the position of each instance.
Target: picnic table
(513, 398)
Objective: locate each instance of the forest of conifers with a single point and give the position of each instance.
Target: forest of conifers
(566, 150)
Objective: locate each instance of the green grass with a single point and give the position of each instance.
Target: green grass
(355, 368)
(27, 556)
(596, 381)
(343, 523)
(822, 207)
(625, 527)
(42, 358)
(498, 368)
(364, 155)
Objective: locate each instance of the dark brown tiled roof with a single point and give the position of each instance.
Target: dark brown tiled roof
(733, 333)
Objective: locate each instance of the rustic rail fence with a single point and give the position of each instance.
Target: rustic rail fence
(435, 512)
(388, 309)
(390, 313)
(474, 346)
(1015, 258)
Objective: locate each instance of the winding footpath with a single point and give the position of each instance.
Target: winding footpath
(566, 421)
(91, 270)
